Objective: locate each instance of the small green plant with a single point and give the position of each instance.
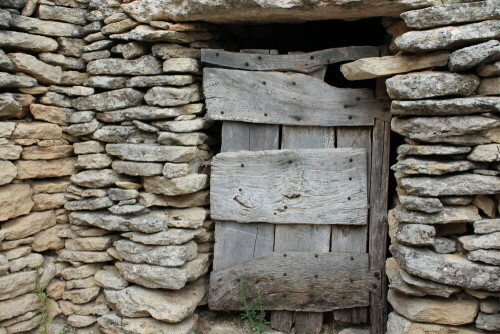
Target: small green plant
(253, 311)
(43, 308)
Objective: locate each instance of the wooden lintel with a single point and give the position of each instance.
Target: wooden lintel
(303, 62)
(296, 281)
(287, 99)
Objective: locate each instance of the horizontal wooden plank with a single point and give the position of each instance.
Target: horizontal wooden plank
(320, 186)
(303, 62)
(293, 281)
(286, 98)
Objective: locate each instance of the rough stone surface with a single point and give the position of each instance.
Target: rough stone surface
(168, 256)
(451, 14)
(30, 169)
(151, 153)
(448, 215)
(489, 70)
(25, 226)
(489, 86)
(97, 178)
(146, 65)
(157, 277)
(47, 28)
(147, 223)
(255, 11)
(465, 130)
(488, 256)
(28, 42)
(149, 113)
(412, 166)
(414, 203)
(111, 100)
(41, 71)
(472, 56)
(176, 186)
(15, 200)
(160, 80)
(416, 234)
(112, 324)
(423, 85)
(440, 311)
(448, 37)
(400, 325)
(485, 226)
(436, 267)
(454, 106)
(172, 307)
(369, 68)
(7, 172)
(483, 241)
(173, 96)
(454, 185)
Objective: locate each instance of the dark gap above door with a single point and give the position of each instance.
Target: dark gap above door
(307, 37)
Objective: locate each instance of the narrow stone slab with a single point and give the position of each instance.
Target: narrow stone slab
(146, 223)
(425, 204)
(369, 68)
(8, 80)
(176, 186)
(455, 106)
(157, 277)
(160, 80)
(423, 85)
(413, 166)
(137, 168)
(448, 37)
(487, 153)
(436, 267)
(146, 33)
(451, 14)
(28, 42)
(452, 311)
(489, 86)
(400, 325)
(461, 130)
(484, 226)
(488, 256)
(48, 28)
(152, 153)
(98, 178)
(489, 70)
(472, 56)
(168, 306)
(482, 241)
(454, 185)
(25, 226)
(33, 169)
(429, 287)
(416, 234)
(112, 323)
(146, 65)
(111, 100)
(448, 215)
(15, 200)
(149, 113)
(408, 149)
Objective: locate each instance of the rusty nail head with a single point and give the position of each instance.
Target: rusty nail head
(242, 165)
(312, 57)
(350, 160)
(284, 274)
(246, 64)
(345, 105)
(350, 179)
(259, 57)
(222, 113)
(286, 207)
(294, 83)
(350, 117)
(374, 286)
(263, 82)
(265, 115)
(240, 189)
(299, 118)
(217, 54)
(376, 274)
(315, 276)
(348, 198)
(316, 255)
(352, 258)
(284, 255)
(358, 99)
(290, 161)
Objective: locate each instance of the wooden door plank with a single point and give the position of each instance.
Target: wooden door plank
(347, 238)
(303, 237)
(286, 98)
(378, 221)
(325, 186)
(235, 242)
(297, 281)
(304, 62)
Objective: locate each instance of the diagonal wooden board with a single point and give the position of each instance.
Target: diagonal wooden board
(326, 186)
(297, 281)
(287, 99)
(303, 62)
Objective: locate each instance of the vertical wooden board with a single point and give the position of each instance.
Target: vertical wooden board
(346, 238)
(303, 237)
(377, 242)
(235, 242)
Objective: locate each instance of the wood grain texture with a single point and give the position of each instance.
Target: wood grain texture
(290, 187)
(303, 62)
(296, 281)
(378, 221)
(235, 242)
(286, 98)
(303, 237)
(352, 238)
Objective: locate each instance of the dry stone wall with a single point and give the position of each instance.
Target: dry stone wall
(104, 157)
(445, 228)
(103, 169)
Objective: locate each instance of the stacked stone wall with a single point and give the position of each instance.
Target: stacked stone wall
(445, 228)
(103, 169)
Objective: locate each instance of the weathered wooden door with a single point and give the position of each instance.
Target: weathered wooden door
(299, 191)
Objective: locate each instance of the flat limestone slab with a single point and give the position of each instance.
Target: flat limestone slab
(290, 187)
(267, 11)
